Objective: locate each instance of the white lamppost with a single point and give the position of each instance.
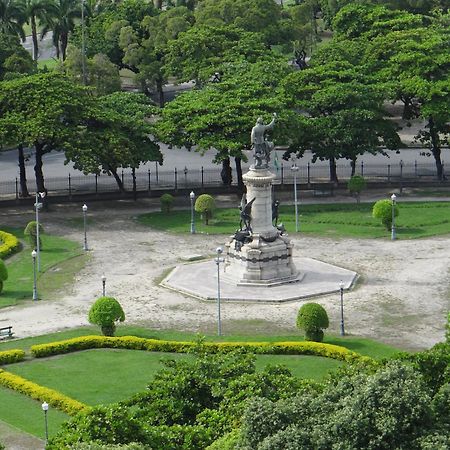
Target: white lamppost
(393, 236)
(218, 259)
(45, 409)
(38, 205)
(295, 169)
(33, 256)
(341, 289)
(103, 285)
(85, 208)
(192, 197)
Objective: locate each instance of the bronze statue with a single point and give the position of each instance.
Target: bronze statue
(246, 214)
(261, 146)
(275, 206)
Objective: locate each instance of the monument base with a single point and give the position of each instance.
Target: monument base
(266, 260)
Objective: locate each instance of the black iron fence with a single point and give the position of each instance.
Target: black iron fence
(186, 178)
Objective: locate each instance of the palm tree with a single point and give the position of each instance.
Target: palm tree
(12, 17)
(41, 10)
(62, 24)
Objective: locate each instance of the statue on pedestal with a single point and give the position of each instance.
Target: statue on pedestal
(261, 146)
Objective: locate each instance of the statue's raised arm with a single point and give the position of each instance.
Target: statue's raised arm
(261, 147)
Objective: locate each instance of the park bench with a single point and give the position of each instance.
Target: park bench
(323, 189)
(6, 332)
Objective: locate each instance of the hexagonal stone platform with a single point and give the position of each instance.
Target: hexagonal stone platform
(199, 279)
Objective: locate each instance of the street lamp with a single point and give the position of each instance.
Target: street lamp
(103, 285)
(45, 409)
(192, 197)
(218, 259)
(341, 289)
(38, 205)
(35, 293)
(393, 236)
(295, 169)
(85, 208)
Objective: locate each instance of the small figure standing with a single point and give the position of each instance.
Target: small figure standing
(261, 146)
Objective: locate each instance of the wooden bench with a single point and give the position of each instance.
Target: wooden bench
(6, 332)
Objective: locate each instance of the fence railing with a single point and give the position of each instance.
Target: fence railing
(199, 178)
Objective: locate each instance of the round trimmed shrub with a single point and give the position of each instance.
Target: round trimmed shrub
(166, 202)
(356, 185)
(3, 274)
(105, 312)
(30, 233)
(382, 209)
(312, 319)
(205, 205)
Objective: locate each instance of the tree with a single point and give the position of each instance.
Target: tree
(14, 59)
(105, 312)
(116, 133)
(382, 210)
(221, 115)
(342, 112)
(3, 274)
(38, 10)
(61, 23)
(44, 111)
(205, 205)
(12, 17)
(312, 319)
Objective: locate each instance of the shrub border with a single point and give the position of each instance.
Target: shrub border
(11, 356)
(9, 244)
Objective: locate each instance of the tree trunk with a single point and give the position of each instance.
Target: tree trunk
(34, 38)
(157, 4)
(333, 172)
(225, 173)
(353, 166)
(40, 185)
(64, 39)
(159, 88)
(118, 179)
(22, 173)
(409, 112)
(133, 174)
(240, 181)
(436, 148)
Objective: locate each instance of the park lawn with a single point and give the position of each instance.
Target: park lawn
(103, 376)
(26, 414)
(61, 259)
(415, 220)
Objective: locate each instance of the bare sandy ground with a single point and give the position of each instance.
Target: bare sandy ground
(401, 297)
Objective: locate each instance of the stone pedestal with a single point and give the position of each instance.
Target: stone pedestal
(267, 258)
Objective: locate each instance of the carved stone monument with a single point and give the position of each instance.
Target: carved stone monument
(260, 253)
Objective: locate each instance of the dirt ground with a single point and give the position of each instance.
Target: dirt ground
(401, 297)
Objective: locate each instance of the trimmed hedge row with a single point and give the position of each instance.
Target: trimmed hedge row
(41, 393)
(8, 244)
(11, 356)
(154, 345)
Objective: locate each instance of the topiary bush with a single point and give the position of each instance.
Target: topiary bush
(356, 185)
(9, 244)
(30, 233)
(105, 312)
(205, 205)
(166, 202)
(382, 209)
(3, 274)
(312, 319)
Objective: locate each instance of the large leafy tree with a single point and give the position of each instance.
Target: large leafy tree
(221, 115)
(116, 134)
(43, 111)
(342, 112)
(415, 65)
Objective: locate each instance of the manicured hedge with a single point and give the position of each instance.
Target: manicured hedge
(9, 244)
(11, 356)
(41, 393)
(136, 343)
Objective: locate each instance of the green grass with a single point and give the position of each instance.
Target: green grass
(415, 220)
(61, 259)
(26, 414)
(50, 63)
